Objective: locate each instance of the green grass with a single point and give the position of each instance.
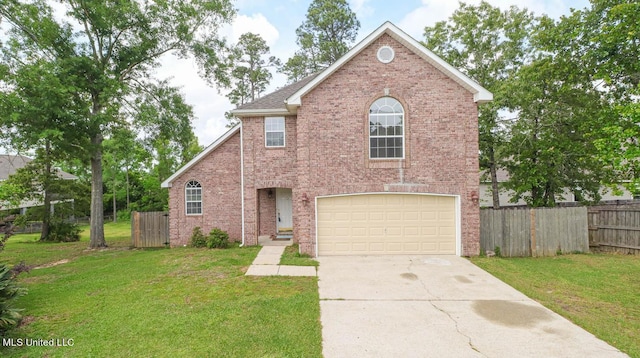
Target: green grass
(25, 247)
(180, 302)
(292, 256)
(597, 292)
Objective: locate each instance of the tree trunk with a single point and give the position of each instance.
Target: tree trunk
(97, 210)
(115, 210)
(46, 215)
(493, 170)
(127, 173)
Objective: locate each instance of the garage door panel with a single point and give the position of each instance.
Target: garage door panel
(386, 224)
(429, 215)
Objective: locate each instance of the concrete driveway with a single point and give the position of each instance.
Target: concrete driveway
(437, 306)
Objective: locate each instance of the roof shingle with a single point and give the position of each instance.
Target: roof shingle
(275, 100)
(10, 163)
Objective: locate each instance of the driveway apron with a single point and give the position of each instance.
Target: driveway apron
(437, 306)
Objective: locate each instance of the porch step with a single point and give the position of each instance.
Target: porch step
(284, 237)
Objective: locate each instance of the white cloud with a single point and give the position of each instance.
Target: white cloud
(208, 105)
(257, 24)
(432, 11)
(361, 8)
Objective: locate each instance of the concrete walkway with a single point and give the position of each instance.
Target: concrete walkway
(267, 263)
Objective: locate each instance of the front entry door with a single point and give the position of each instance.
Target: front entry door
(284, 210)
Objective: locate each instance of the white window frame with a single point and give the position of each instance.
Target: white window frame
(268, 128)
(192, 188)
(401, 113)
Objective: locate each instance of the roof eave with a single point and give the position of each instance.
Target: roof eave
(482, 97)
(261, 112)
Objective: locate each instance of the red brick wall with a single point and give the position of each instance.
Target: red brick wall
(441, 138)
(265, 168)
(219, 175)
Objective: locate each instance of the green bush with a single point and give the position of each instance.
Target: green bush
(9, 291)
(217, 239)
(197, 238)
(60, 231)
(124, 215)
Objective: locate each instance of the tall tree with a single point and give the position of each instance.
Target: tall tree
(326, 34)
(250, 75)
(550, 151)
(164, 119)
(488, 45)
(105, 49)
(607, 38)
(34, 106)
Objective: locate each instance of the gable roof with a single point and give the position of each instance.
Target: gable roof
(286, 100)
(9, 164)
(480, 94)
(218, 142)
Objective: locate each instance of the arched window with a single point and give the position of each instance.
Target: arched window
(386, 129)
(193, 197)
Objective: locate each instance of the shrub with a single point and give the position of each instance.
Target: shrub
(60, 231)
(197, 238)
(217, 239)
(9, 291)
(497, 251)
(123, 215)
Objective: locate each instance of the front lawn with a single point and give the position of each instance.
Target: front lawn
(600, 293)
(179, 302)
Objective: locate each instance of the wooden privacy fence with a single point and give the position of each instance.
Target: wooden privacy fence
(615, 228)
(150, 229)
(534, 232)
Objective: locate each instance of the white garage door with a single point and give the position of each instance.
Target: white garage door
(378, 224)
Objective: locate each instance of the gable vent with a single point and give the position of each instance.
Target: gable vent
(385, 54)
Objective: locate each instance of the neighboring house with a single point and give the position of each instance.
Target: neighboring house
(377, 154)
(8, 166)
(486, 195)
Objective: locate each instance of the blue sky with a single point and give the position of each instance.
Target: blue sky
(277, 20)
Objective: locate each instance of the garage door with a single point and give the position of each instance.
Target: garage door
(378, 224)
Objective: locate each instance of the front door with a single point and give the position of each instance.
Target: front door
(284, 210)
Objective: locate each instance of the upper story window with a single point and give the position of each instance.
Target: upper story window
(386, 129)
(274, 132)
(193, 198)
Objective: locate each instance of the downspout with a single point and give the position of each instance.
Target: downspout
(242, 180)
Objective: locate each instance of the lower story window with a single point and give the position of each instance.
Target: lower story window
(193, 198)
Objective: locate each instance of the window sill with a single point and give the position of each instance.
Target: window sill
(387, 163)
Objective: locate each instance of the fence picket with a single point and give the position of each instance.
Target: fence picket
(534, 232)
(150, 229)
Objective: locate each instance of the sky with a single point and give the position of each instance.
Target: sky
(276, 21)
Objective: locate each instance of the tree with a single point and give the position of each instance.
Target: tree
(607, 38)
(33, 111)
(580, 122)
(164, 121)
(326, 34)
(103, 51)
(250, 75)
(550, 150)
(488, 45)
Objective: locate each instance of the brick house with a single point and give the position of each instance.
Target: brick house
(377, 154)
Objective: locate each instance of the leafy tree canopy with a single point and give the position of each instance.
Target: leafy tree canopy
(103, 51)
(326, 34)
